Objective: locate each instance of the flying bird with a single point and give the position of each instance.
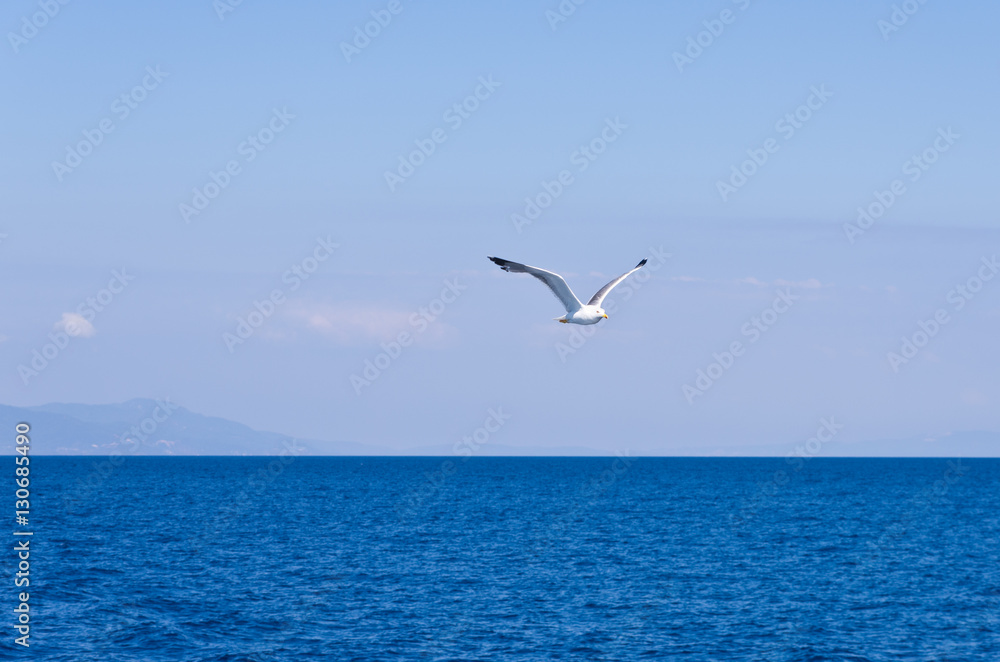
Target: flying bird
(576, 312)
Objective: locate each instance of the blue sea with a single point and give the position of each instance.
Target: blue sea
(623, 558)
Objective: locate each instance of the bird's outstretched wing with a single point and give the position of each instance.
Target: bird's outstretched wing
(553, 280)
(603, 292)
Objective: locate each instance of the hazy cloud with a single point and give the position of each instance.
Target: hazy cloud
(74, 324)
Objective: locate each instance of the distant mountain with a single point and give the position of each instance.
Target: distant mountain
(500, 450)
(154, 427)
(953, 444)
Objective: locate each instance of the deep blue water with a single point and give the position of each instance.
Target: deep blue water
(513, 559)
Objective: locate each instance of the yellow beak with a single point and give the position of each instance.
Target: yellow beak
(606, 316)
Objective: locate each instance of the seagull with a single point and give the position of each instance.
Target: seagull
(576, 312)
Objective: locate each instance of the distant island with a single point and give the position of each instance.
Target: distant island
(152, 427)
(160, 427)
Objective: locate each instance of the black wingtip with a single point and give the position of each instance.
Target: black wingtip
(641, 263)
(499, 261)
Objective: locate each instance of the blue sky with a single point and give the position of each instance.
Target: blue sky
(309, 136)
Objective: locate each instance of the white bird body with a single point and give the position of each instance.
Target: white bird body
(586, 315)
(576, 311)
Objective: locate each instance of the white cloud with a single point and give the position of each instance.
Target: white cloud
(354, 324)
(74, 324)
(810, 284)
